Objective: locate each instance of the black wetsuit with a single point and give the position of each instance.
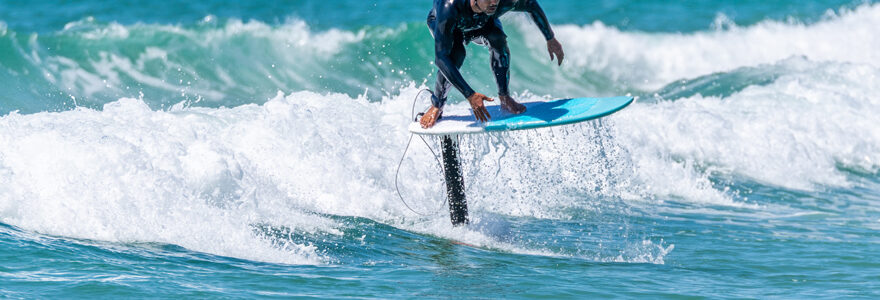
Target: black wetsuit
(454, 24)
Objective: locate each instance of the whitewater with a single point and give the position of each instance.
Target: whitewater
(749, 165)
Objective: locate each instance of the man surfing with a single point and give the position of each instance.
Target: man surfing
(454, 24)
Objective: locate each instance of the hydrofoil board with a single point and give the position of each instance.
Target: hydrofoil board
(537, 115)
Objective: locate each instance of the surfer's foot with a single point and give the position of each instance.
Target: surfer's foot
(510, 105)
(430, 117)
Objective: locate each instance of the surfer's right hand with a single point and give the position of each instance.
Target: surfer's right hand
(480, 111)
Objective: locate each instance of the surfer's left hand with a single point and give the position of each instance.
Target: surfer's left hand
(555, 48)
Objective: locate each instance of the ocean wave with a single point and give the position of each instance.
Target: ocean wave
(202, 177)
(648, 61)
(230, 63)
(176, 134)
(793, 132)
(234, 63)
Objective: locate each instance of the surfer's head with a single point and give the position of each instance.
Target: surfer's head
(488, 7)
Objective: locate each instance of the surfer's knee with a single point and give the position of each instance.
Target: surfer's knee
(497, 40)
(432, 25)
(500, 54)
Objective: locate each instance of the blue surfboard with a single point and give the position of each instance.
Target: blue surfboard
(537, 115)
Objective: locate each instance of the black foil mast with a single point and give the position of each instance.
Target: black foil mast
(454, 182)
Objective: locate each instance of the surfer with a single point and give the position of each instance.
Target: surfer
(454, 23)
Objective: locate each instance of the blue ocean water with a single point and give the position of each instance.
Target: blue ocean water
(242, 150)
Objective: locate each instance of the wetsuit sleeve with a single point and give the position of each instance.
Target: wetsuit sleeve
(532, 7)
(444, 42)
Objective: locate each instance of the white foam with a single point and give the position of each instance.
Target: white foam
(203, 178)
(651, 60)
(793, 132)
(130, 174)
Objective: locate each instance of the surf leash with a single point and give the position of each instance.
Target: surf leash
(400, 163)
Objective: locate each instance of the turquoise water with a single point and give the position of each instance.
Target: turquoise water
(222, 149)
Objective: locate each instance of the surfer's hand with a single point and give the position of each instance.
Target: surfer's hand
(480, 111)
(555, 48)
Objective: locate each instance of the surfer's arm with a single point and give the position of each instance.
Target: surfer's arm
(554, 48)
(444, 42)
(534, 10)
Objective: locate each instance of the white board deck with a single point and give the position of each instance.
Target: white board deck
(537, 115)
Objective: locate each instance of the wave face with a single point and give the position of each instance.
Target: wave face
(230, 63)
(266, 152)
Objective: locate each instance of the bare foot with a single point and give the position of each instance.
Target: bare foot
(430, 117)
(508, 104)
